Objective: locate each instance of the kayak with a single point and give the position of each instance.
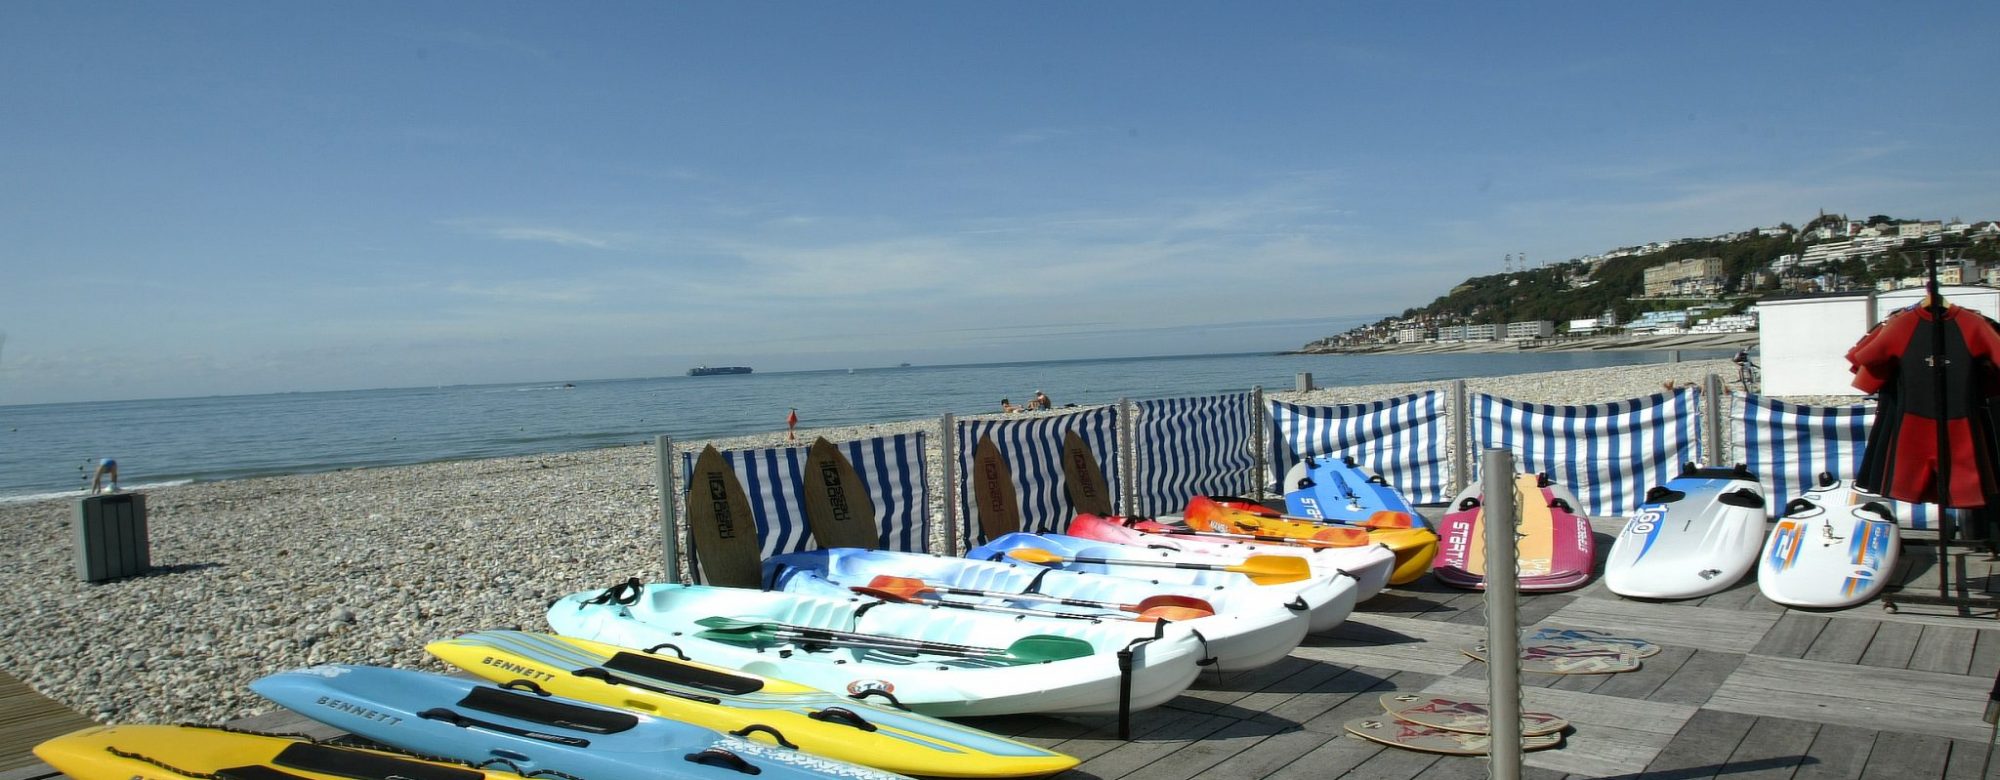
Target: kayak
(1405, 534)
(465, 720)
(819, 722)
(1696, 535)
(1828, 551)
(1328, 593)
(1371, 565)
(141, 752)
(1241, 628)
(1341, 490)
(1553, 543)
(941, 662)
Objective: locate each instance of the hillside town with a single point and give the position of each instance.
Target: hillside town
(1689, 288)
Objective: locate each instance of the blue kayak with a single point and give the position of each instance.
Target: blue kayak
(471, 721)
(1339, 490)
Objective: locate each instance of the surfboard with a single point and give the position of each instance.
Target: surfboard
(1579, 637)
(1554, 543)
(993, 491)
(1404, 734)
(1085, 480)
(1695, 535)
(1827, 552)
(719, 518)
(838, 509)
(1541, 658)
(1454, 715)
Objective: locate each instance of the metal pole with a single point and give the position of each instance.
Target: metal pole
(1461, 438)
(1257, 440)
(663, 447)
(1129, 457)
(1711, 390)
(1503, 637)
(948, 446)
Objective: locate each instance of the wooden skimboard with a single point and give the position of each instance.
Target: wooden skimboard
(1548, 658)
(993, 491)
(1085, 480)
(1576, 637)
(1404, 734)
(1454, 715)
(719, 518)
(838, 509)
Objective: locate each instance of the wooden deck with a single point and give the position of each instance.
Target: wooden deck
(1744, 689)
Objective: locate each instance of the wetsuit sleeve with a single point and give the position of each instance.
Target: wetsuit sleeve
(1874, 359)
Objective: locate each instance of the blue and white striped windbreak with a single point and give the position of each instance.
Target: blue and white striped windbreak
(1191, 446)
(891, 467)
(1609, 454)
(1032, 447)
(1789, 445)
(1403, 439)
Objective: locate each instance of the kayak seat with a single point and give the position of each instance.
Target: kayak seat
(548, 711)
(360, 765)
(692, 676)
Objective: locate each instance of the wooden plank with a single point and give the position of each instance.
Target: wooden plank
(34, 771)
(1392, 763)
(1837, 753)
(1772, 750)
(1893, 645)
(1792, 636)
(1702, 629)
(1611, 735)
(1907, 755)
(1652, 673)
(1945, 649)
(1698, 679)
(32, 718)
(1695, 749)
(1260, 759)
(1985, 655)
(1861, 696)
(1199, 756)
(1966, 761)
(1127, 757)
(1842, 641)
(1400, 643)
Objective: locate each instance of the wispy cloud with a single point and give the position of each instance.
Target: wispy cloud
(545, 234)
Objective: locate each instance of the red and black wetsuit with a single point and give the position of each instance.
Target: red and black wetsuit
(1895, 362)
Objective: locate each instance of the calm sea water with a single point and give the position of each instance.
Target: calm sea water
(48, 449)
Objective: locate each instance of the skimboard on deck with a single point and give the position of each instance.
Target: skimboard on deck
(1404, 734)
(1469, 717)
(838, 509)
(1548, 658)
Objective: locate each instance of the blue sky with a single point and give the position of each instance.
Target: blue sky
(236, 197)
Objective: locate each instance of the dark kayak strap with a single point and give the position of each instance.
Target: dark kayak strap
(693, 676)
(724, 759)
(625, 593)
(253, 772)
(598, 673)
(461, 721)
(1035, 585)
(549, 711)
(360, 765)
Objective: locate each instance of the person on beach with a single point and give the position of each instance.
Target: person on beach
(1040, 402)
(1008, 406)
(107, 470)
(791, 425)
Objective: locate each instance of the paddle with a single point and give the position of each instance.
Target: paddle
(1207, 506)
(1150, 609)
(1028, 649)
(1261, 569)
(1319, 539)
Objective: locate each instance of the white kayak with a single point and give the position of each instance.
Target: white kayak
(942, 662)
(1829, 551)
(1240, 627)
(1696, 535)
(1329, 592)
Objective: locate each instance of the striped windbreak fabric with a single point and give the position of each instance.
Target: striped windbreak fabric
(1403, 439)
(890, 467)
(1191, 446)
(1032, 446)
(1789, 445)
(1609, 454)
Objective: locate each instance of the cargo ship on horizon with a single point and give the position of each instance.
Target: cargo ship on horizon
(715, 370)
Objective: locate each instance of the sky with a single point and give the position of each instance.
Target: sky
(210, 197)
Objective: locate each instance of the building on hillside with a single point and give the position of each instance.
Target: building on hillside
(1919, 229)
(1409, 335)
(1530, 329)
(1690, 276)
(1482, 332)
(1658, 322)
(1581, 327)
(1451, 334)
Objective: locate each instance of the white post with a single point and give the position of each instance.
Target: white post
(948, 446)
(663, 447)
(1257, 441)
(1460, 432)
(1503, 638)
(1128, 466)
(1712, 450)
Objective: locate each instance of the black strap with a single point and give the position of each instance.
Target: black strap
(690, 675)
(361, 765)
(549, 712)
(625, 593)
(724, 759)
(461, 721)
(843, 716)
(598, 673)
(757, 727)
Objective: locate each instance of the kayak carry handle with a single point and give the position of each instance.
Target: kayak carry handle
(1880, 510)
(753, 728)
(725, 759)
(1797, 505)
(655, 650)
(893, 701)
(843, 716)
(525, 685)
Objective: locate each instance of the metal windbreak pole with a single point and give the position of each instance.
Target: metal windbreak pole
(948, 445)
(663, 447)
(1503, 637)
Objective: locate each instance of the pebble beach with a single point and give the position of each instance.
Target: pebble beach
(256, 576)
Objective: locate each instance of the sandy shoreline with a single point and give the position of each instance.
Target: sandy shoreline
(255, 576)
(1619, 343)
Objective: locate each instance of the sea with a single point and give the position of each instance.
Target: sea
(49, 450)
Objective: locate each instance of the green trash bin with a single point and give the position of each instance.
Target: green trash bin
(111, 536)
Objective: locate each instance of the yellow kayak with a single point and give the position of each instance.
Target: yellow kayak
(1414, 547)
(827, 724)
(145, 752)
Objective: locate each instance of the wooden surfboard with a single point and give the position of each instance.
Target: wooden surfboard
(719, 518)
(1085, 480)
(993, 491)
(1454, 715)
(1404, 734)
(1579, 637)
(838, 509)
(1550, 658)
